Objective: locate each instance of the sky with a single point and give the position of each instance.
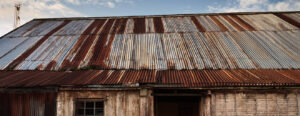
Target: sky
(97, 8)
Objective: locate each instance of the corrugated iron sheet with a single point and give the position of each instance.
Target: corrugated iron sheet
(28, 104)
(227, 41)
(175, 78)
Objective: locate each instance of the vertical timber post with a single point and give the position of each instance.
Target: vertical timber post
(146, 102)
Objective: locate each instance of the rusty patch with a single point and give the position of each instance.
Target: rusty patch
(96, 24)
(100, 50)
(39, 67)
(233, 23)
(221, 26)
(243, 23)
(116, 26)
(170, 65)
(122, 26)
(83, 44)
(51, 65)
(139, 25)
(158, 25)
(41, 22)
(288, 19)
(197, 23)
(32, 49)
(107, 26)
(100, 77)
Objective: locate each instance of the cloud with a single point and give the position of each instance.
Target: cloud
(32, 9)
(110, 4)
(257, 5)
(46, 9)
(106, 3)
(75, 2)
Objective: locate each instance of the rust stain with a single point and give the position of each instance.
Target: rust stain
(94, 25)
(39, 67)
(100, 50)
(32, 49)
(158, 25)
(83, 44)
(288, 19)
(139, 25)
(123, 24)
(100, 77)
(243, 23)
(51, 65)
(107, 26)
(222, 27)
(233, 23)
(41, 22)
(116, 26)
(197, 23)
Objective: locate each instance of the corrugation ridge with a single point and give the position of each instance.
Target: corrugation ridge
(29, 51)
(288, 19)
(222, 27)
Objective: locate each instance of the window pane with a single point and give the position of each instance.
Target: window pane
(79, 104)
(89, 111)
(99, 112)
(99, 104)
(80, 111)
(89, 105)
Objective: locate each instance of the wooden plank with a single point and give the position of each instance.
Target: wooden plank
(282, 105)
(132, 103)
(250, 104)
(271, 104)
(292, 104)
(220, 104)
(120, 104)
(230, 104)
(151, 103)
(213, 105)
(241, 104)
(261, 107)
(143, 106)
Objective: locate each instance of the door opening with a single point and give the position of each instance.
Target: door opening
(177, 105)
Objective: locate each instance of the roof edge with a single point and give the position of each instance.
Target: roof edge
(16, 28)
(70, 71)
(143, 16)
(166, 15)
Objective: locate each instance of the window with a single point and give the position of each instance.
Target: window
(89, 107)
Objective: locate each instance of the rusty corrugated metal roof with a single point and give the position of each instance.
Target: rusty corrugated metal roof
(173, 78)
(233, 49)
(220, 41)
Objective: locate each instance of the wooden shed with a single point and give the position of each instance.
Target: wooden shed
(166, 65)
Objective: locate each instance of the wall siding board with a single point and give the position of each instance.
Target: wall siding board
(116, 103)
(27, 104)
(251, 104)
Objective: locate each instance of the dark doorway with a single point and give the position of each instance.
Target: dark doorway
(177, 106)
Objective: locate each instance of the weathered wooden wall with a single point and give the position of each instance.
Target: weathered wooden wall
(117, 103)
(27, 104)
(251, 104)
(216, 103)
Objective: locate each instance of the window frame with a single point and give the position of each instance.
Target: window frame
(88, 100)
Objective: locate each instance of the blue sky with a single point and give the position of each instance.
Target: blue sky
(149, 7)
(97, 8)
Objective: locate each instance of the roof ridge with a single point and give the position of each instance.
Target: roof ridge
(166, 15)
